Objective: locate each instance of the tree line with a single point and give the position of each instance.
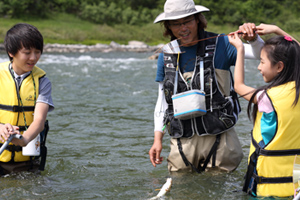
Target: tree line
(284, 13)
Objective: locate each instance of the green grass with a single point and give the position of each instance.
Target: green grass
(68, 29)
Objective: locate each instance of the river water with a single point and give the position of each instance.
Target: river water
(102, 129)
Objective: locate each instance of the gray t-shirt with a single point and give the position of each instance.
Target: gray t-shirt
(45, 93)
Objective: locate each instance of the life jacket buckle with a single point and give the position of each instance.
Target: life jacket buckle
(16, 109)
(259, 179)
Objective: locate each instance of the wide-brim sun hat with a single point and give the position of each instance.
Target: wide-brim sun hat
(177, 9)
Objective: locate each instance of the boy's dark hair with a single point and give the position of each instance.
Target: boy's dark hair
(279, 49)
(22, 35)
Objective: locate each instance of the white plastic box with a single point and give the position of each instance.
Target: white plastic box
(189, 104)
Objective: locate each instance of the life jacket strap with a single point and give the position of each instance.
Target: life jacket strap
(43, 148)
(251, 168)
(251, 175)
(265, 152)
(17, 108)
(12, 148)
(250, 171)
(260, 179)
(290, 152)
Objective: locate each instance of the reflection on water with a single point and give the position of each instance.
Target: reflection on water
(102, 129)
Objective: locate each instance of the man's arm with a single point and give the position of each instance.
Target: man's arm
(161, 106)
(255, 43)
(253, 48)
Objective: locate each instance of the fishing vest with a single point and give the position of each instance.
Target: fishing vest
(222, 111)
(11, 110)
(275, 142)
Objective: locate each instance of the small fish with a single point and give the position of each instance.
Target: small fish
(165, 188)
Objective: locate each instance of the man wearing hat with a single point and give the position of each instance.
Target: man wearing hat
(209, 140)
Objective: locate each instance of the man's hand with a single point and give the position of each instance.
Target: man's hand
(154, 152)
(249, 31)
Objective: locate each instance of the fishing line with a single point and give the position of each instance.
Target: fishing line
(247, 93)
(174, 47)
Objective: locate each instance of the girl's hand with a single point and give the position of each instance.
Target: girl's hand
(264, 29)
(234, 39)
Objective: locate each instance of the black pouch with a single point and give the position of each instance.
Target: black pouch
(174, 126)
(43, 155)
(218, 121)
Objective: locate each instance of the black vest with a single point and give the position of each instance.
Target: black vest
(222, 111)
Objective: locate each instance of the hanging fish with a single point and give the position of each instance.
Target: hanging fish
(165, 188)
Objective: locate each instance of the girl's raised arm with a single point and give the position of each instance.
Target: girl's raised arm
(264, 29)
(239, 72)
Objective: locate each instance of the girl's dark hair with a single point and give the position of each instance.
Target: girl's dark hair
(201, 25)
(22, 35)
(288, 52)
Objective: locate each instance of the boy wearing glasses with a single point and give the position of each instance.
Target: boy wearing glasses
(206, 141)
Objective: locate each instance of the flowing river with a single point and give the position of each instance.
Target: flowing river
(102, 129)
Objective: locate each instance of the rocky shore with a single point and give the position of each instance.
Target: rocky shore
(133, 46)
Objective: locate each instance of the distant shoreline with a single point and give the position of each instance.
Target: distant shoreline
(133, 46)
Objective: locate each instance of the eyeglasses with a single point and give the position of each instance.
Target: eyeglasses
(186, 23)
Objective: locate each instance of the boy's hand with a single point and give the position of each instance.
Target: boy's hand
(6, 130)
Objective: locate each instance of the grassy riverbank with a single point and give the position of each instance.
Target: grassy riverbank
(68, 29)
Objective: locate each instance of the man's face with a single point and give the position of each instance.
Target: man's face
(185, 29)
